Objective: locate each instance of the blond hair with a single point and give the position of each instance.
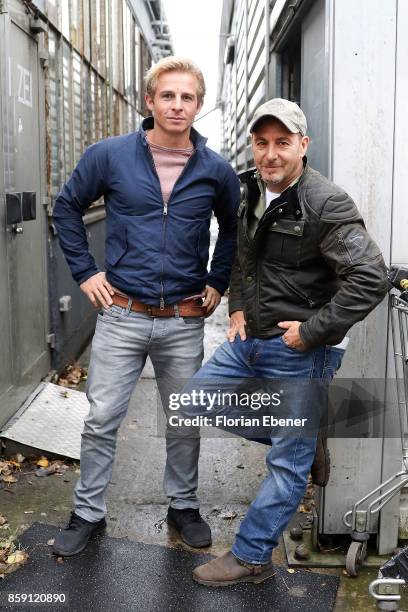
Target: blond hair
(174, 63)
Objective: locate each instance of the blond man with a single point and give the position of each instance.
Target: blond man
(161, 186)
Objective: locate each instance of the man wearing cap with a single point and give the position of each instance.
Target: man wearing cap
(306, 270)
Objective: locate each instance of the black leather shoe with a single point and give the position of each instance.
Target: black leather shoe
(193, 530)
(76, 535)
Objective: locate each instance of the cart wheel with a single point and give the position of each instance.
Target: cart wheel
(355, 557)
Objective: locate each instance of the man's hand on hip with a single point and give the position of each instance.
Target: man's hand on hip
(237, 326)
(212, 298)
(292, 337)
(98, 290)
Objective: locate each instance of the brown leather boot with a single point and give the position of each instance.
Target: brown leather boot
(227, 570)
(320, 470)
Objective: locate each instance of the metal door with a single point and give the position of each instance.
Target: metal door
(24, 304)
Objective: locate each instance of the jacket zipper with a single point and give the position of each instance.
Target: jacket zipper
(165, 213)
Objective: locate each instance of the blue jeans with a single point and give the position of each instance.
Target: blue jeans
(302, 377)
(123, 339)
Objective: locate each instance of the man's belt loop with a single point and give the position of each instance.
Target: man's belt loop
(176, 311)
(129, 306)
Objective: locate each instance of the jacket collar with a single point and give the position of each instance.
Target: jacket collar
(198, 141)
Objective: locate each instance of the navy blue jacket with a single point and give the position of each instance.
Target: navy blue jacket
(152, 252)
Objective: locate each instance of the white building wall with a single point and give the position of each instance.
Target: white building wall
(399, 251)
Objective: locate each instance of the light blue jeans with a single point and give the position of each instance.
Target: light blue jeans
(301, 377)
(120, 346)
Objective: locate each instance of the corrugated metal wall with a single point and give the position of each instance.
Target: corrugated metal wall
(93, 78)
(243, 83)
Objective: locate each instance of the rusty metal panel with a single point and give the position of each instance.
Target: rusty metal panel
(51, 9)
(65, 20)
(75, 8)
(78, 145)
(86, 29)
(98, 35)
(53, 115)
(92, 106)
(138, 75)
(67, 111)
(86, 103)
(117, 45)
(115, 113)
(128, 59)
(108, 35)
(99, 131)
(145, 62)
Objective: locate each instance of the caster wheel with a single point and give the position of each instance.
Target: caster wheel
(355, 557)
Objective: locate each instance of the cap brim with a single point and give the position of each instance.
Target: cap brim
(292, 127)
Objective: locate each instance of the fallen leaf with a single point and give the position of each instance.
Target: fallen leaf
(72, 376)
(3, 520)
(9, 479)
(60, 560)
(290, 571)
(43, 462)
(51, 542)
(20, 458)
(20, 556)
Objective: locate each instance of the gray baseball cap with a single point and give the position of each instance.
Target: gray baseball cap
(287, 112)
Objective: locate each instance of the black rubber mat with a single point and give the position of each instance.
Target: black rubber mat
(117, 574)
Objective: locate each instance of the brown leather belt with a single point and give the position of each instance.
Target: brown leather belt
(191, 307)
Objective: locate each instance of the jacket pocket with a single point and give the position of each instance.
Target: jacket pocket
(284, 239)
(296, 291)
